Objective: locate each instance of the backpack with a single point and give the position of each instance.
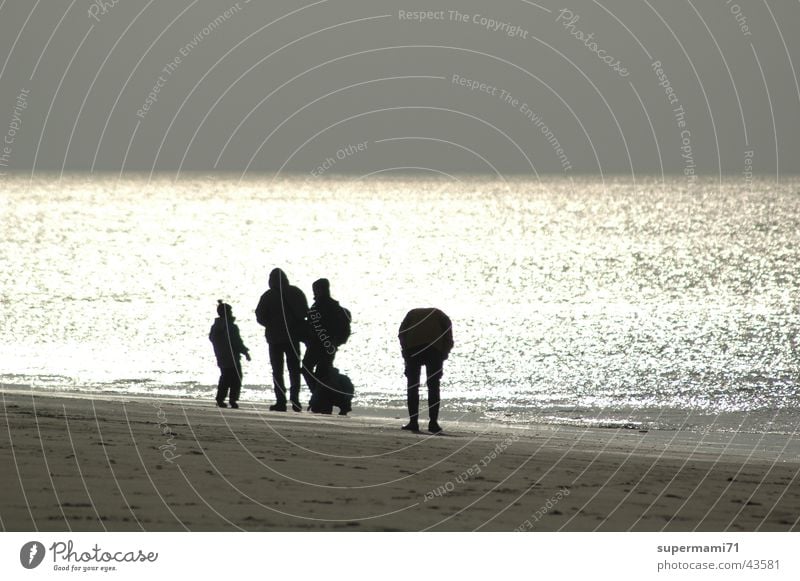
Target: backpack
(342, 333)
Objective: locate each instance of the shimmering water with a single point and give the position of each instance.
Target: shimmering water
(579, 301)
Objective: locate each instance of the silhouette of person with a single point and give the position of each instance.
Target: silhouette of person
(343, 392)
(328, 328)
(426, 338)
(228, 348)
(282, 311)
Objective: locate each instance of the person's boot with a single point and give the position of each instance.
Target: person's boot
(294, 396)
(280, 397)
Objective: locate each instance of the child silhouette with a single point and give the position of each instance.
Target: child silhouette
(228, 348)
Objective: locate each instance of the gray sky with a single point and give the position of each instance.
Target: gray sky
(261, 86)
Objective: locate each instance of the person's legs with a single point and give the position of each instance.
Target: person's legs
(222, 388)
(322, 374)
(235, 383)
(276, 361)
(293, 365)
(310, 361)
(433, 372)
(413, 370)
(317, 366)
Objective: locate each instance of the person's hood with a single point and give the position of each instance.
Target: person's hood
(322, 289)
(278, 279)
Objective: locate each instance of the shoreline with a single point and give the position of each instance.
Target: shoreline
(698, 421)
(133, 463)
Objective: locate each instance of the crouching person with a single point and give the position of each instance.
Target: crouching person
(343, 391)
(336, 391)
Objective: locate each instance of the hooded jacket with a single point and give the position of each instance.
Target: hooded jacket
(282, 310)
(328, 321)
(426, 327)
(227, 342)
(324, 322)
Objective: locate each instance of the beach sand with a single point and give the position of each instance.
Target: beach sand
(133, 463)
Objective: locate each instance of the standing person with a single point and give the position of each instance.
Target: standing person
(228, 347)
(329, 328)
(426, 338)
(282, 311)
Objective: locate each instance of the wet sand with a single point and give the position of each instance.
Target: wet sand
(132, 463)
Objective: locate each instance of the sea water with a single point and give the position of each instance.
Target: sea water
(641, 302)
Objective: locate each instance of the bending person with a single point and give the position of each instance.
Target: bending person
(426, 338)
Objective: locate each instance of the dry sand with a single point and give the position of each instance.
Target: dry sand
(130, 463)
